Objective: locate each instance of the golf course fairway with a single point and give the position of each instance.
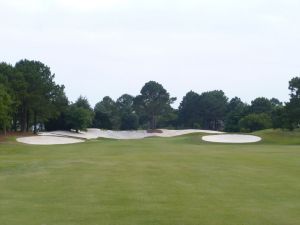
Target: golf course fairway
(169, 181)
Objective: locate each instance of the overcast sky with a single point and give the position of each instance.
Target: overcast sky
(248, 48)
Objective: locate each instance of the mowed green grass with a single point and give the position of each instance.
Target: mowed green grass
(172, 181)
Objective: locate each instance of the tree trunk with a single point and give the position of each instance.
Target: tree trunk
(27, 121)
(153, 122)
(14, 128)
(35, 123)
(23, 119)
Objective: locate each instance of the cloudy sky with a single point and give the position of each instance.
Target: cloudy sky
(248, 48)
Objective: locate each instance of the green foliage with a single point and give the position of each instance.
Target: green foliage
(129, 122)
(129, 119)
(293, 107)
(206, 111)
(60, 105)
(13, 84)
(236, 110)
(281, 119)
(259, 115)
(275, 103)
(261, 105)
(213, 109)
(5, 109)
(294, 87)
(168, 120)
(41, 94)
(153, 101)
(35, 98)
(125, 103)
(254, 122)
(106, 114)
(83, 103)
(189, 110)
(78, 118)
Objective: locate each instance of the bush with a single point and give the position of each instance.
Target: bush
(78, 118)
(254, 122)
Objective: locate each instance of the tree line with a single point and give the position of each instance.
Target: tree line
(30, 100)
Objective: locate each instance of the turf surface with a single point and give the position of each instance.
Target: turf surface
(174, 181)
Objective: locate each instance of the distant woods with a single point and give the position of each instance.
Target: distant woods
(30, 100)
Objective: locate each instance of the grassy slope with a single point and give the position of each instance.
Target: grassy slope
(153, 181)
(280, 137)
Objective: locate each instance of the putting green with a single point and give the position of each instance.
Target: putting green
(168, 181)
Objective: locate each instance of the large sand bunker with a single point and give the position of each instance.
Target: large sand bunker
(48, 140)
(231, 138)
(68, 137)
(136, 134)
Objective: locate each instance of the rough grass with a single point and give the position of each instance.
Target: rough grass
(172, 181)
(280, 137)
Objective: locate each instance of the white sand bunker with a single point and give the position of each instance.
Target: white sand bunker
(231, 138)
(68, 137)
(94, 133)
(48, 140)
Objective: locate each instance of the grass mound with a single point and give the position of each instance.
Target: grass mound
(279, 136)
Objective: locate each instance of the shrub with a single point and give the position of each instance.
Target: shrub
(254, 122)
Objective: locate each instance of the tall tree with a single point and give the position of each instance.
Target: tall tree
(169, 119)
(261, 105)
(153, 101)
(106, 114)
(189, 111)
(275, 102)
(128, 116)
(83, 103)
(78, 118)
(213, 109)
(236, 110)
(293, 107)
(281, 118)
(294, 87)
(60, 104)
(38, 98)
(15, 86)
(5, 109)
